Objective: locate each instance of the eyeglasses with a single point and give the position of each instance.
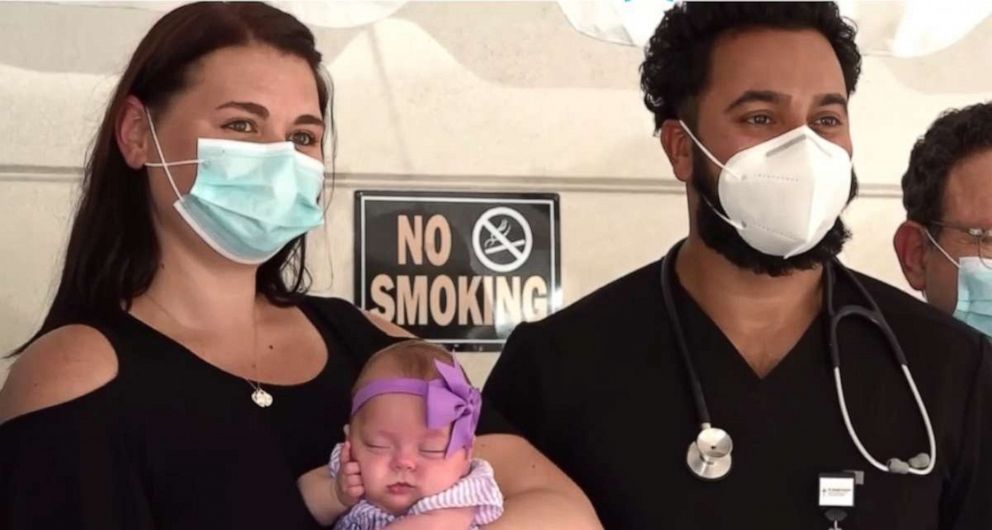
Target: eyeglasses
(982, 238)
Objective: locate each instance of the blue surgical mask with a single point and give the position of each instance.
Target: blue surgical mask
(974, 291)
(974, 294)
(249, 199)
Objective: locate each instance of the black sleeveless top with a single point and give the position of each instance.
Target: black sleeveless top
(175, 443)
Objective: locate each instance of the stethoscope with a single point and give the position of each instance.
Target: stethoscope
(709, 455)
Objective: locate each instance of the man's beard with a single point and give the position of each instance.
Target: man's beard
(723, 238)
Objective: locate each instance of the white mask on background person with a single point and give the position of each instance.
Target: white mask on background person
(783, 195)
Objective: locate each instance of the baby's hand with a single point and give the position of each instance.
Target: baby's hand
(348, 484)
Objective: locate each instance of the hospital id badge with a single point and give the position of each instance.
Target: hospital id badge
(837, 490)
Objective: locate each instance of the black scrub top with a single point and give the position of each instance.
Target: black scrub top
(600, 389)
(175, 443)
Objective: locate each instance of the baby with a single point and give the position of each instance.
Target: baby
(408, 446)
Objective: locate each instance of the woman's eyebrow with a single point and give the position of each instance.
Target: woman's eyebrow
(247, 106)
(309, 119)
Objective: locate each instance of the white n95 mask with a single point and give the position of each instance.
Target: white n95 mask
(783, 195)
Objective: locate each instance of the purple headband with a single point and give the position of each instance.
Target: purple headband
(450, 400)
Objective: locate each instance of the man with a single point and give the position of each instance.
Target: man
(603, 387)
(945, 244)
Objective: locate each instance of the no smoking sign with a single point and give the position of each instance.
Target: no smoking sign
(457, 268)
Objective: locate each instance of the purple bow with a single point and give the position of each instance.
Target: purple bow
(450, 400)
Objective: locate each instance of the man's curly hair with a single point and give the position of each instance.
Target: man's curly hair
(676, 60)
(954, 136)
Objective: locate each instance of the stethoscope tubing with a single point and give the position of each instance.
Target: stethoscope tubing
(873, 315)
(696, 387)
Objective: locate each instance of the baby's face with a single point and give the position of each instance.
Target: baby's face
(401, 459)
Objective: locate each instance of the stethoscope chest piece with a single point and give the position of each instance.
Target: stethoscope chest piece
(709, 455)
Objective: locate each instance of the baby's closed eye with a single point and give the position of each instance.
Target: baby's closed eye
(377, 446)
(432, 452)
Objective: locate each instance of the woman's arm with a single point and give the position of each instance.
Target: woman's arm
(537, 495)
(67, 466)
(317, 488)
(63, 365)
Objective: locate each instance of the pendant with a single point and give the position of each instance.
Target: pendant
(261, 398)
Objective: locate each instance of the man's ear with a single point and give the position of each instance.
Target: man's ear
(678, 148)
(911, 246)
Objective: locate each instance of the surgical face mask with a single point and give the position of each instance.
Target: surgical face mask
(249, 199)
(783, 195)
(974, 305)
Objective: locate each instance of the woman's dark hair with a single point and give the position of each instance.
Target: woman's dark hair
(677, 59)
(954, 136)
(113, 252)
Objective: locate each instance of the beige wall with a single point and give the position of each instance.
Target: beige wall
(500, 96)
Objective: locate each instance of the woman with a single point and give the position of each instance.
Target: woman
(182, 378)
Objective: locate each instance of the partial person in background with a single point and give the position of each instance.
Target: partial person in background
(183, 377)
(739, 381)
(945, 244)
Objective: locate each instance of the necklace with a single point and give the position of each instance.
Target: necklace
(259, 395)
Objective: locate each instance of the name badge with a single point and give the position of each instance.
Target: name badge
(837, 490)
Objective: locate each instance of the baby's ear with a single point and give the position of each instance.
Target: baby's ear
(346, 431)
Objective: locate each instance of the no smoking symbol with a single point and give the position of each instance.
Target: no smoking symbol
(502, 239)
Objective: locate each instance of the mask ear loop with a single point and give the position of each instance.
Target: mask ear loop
(736, 224)
(940, 248)
(161, 157)
(942, 251)
(327, 196)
